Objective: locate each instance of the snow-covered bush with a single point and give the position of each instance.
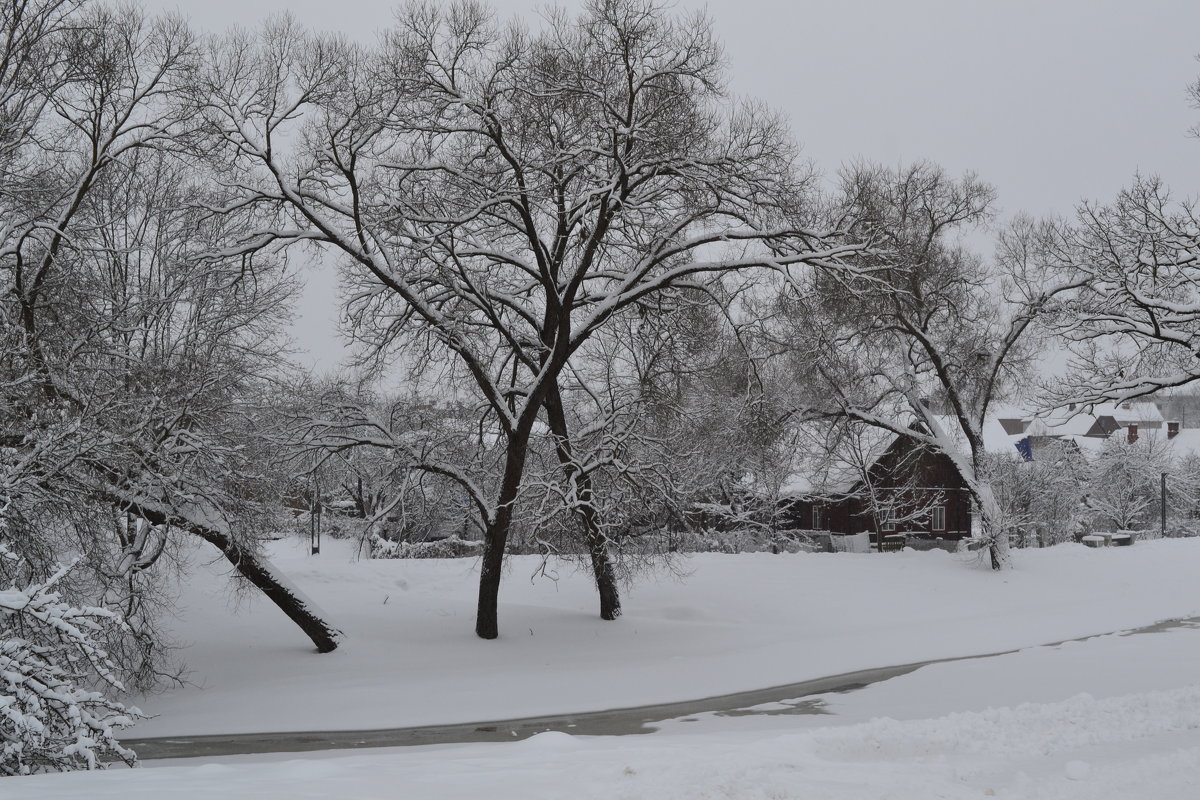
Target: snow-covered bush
(1042, 501)
(745, 540)
(451, 547)
(51, 719)
(1125, 481)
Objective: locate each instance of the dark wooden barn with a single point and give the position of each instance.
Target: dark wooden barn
(910, 492)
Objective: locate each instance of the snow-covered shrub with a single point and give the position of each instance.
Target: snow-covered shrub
(451, 547)
(924, 544)
(50, 717)
(744, 540)
(1041, 501)
(1181, 530)
(1125, 481)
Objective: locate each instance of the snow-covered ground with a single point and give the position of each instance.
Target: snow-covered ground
(735, 623)
(1095, 746)
(1115, 716)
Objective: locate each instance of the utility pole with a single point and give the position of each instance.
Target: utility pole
(314, 513)
(1164, 504)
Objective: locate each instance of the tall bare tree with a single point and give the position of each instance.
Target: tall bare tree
(499, 194)
(129, 350)
(1136, 329)
(935, 335)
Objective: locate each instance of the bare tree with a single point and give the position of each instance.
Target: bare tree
(129, 353)
(498, 194)
(1136, 330)
(933, 335)
(418, 463)
(672, 412)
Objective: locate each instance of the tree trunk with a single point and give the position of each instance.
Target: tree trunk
(991, 527)
(495, 537)
(260, 574)
(597, 540)
(249, 566)
(606, 579)
(999, 551)
(487, 624)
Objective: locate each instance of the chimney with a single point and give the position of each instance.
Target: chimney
(1071, 407)
(1132, 432)
(1172, 429)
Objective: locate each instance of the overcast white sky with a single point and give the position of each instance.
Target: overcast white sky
(1050, 100)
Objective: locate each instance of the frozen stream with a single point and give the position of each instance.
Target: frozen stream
(814, 697)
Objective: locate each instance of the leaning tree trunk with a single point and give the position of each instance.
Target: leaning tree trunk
(289, 601)
(585, 509)
(248, 565)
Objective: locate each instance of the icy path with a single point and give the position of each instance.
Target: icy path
(1096, 664)
(1145, 745)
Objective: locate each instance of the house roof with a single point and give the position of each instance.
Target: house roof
(1183, 444)
(995, 438)
(1074, 424)
(1087, 444)
(1068, 423)
(1126, 413)
(1007, 411)
(1005, 428)
(837, 473)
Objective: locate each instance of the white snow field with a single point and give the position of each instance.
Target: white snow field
(737, 622)
(1115, 716)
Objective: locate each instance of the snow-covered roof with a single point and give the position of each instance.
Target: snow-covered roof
(1075, 424)
(1185, 443)
(1087, 444)
(837, 473)
(797, 483)
(1007, 411)
(995, 438)
(1078, 421)
(1126, 413)
(831, 473)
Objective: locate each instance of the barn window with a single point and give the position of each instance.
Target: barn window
(816, 526)
(939, 518)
